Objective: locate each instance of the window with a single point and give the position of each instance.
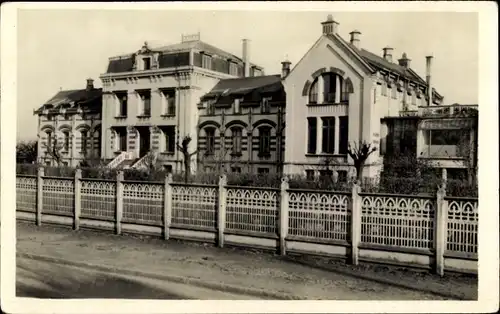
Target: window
(262, 170)
(84, 135)
(210, 135)
(264, 141)
(49, 139)
(413, 99)
(342, 176)
(147, 63)
(146, 103)
(325, 174)
(66, 140)
(206, 61)
(233, 69)
(236, 169)
(167, 168)
(210, 107)
(236, 137)
(313, 93)
(329, 87)
(312, 130)
(122, 104)
(237, 107)
(310, 174)
(169, 102)
(122, 140)
(328, 146)
(448, 143)
(343, 134)
(169, 135)
(264, 105)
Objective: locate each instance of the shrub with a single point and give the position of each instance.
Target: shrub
(27, 169)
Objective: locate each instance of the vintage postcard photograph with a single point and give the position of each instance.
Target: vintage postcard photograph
(249, 157)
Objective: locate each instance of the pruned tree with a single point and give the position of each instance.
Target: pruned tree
(27, 152)
(184, 149)
(359, 154)
(217, 159)
(54, 150)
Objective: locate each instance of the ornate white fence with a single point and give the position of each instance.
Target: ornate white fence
(445, 227)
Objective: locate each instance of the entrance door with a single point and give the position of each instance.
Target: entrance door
(145, 141)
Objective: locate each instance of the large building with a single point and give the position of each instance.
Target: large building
(241, 126)
(69, 127)
(150, 98)
(340, 94)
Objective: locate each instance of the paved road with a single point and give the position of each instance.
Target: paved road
(37, 279)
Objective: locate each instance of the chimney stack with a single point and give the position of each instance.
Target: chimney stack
(355, 38)
(428, 79)
(404, 61)
(388, 54)
(246, 57)
(90, 84)
(285, 68)
(330, 26)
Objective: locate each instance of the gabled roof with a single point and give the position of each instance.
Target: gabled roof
(246, 85)
(72, 99)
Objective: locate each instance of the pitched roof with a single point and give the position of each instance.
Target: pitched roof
(380, 63)
(246, 85)
(72, 99)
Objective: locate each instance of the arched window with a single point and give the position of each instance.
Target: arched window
(210, 140)
(237, 134)
(328, 88)
(66, 140)
(84, 135)
(264, 140)
(313, 92)
(50, 139)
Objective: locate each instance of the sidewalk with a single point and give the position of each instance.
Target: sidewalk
(296, 277)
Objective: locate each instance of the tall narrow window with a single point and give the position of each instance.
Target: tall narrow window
(312, 129)
(169, 102)
(206, 62)
(146, 103)
(49, 139)
(264, 141)
(264, 105)
(329, 87)
(343, 134)
(313, 92)
(84, 135)
(384, 89)
(123, 140)
(236, 137)
(210, 107)
(394, 92)
(122, 101)
(147, 63)
(66, 140)
(169, 134)
(210, 136)
(237, 107)
(328, 135)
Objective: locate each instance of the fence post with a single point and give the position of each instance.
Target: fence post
(441, 229)
(167, 206)
(444, 178)
(221, 213)
(355, 223)
(119, 201)
(78, 198)
(283, 215)
(39, 195)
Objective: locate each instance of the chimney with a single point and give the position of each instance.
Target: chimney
(404, 61)
(285, 68)
(355, 38)
(246, 57)
(330, 26)
(90, 84)
(388, 53)
(428, 79)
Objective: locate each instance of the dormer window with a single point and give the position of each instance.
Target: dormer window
(210, 104)
(146, 63)
(237, 107)
(233, 69)
(206, 61)
(264, 105)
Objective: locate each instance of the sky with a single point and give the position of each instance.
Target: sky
(61, 48)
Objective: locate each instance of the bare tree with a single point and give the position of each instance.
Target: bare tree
(27, 152)
(184, 149)
(54, 150)
(360, 153)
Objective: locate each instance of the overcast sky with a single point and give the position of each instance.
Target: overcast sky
(61, 48)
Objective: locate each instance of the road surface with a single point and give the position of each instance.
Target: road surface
(38, 279)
